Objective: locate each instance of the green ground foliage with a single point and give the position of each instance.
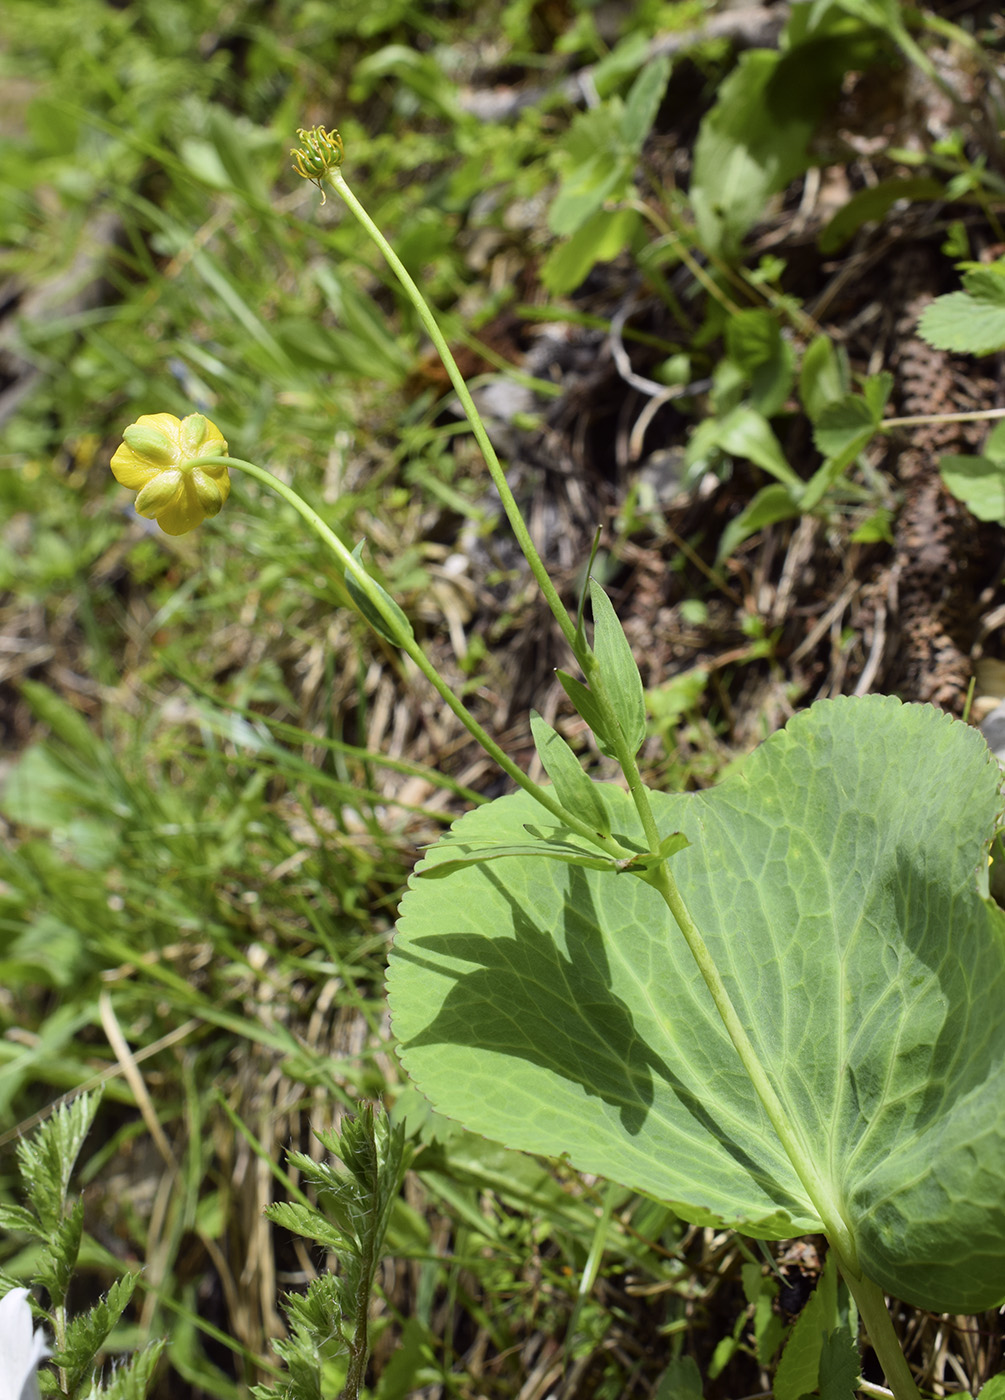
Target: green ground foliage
(661, 238)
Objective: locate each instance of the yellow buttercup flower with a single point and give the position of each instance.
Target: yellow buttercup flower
(157, 459)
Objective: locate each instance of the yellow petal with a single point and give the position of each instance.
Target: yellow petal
(183, 514)
(132, 471)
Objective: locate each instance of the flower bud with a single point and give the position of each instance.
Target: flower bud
(150, 442)
(208, 492)
(158, 460)
(321, 152)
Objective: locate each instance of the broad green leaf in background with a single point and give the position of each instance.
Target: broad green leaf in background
(602, 148)
(972, 321)
(755, 343)
(643, 102)
(979, 482)
(840, 880)
(743, 154)
(600, 239)
(680, 1381)
(824, 375)
(799, 1367)
(756, 138)
(746, 433)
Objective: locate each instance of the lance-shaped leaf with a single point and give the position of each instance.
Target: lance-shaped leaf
(575, 790)
(587, 707)
(392, 624)
(460, 854)
(840, 880)
(618, 669)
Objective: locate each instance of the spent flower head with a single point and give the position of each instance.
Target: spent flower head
(321, 152)
(21, 1347)
(160, 458)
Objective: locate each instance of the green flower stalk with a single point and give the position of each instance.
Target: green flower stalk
(161, 459)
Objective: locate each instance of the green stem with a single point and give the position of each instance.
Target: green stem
(359, 1343)
(510, 506)
(880, 1330)
(403, 637)
(582, 654)
(977, 415)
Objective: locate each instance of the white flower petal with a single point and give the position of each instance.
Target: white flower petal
(21, 1347)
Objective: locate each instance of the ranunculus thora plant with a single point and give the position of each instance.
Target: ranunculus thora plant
(778, 1005)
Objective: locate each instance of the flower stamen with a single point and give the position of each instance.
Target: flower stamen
(321, 153)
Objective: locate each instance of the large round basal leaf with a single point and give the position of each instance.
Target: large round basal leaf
(839, 880)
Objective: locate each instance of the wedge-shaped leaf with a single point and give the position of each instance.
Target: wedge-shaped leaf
(876, 390)
(845, 427)
(618, 668)
(840, 880)
(575, 790)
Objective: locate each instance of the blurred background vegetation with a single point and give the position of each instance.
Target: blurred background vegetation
(214, 781)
